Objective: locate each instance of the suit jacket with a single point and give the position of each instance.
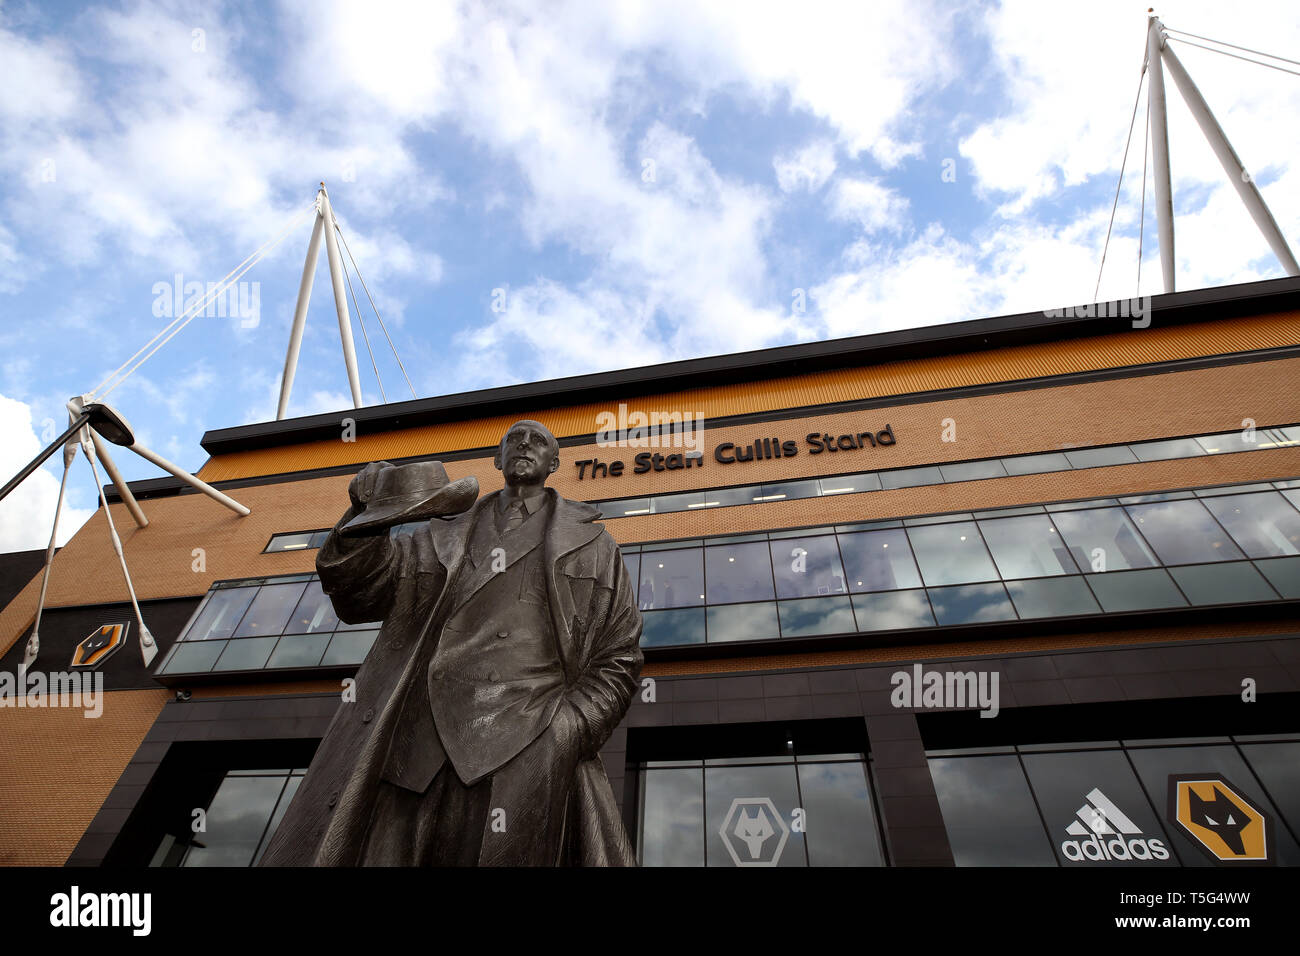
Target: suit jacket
(405, 581)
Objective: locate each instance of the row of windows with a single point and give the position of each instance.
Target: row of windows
(1216, 444)
(1228, 545)
(1014, 809)
(1074, 458)
(1023, 806)
(1088, 557)
(283, 622)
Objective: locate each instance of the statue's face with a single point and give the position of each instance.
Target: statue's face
(528, 454)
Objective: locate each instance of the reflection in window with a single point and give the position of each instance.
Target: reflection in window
(239, 821)
(314, 613)
(806, 567)
(1265, 525)
(892, 610)
(806, 618)
(1183, 532)
(740, 572)
(971, 604)
(951, 554)
(270, 610)
(672, 579)
(1103, 539)
(1027, 547)
(1135, 590)
(989, 812)
(879, 561)
(1052, 597)
(221, 612)
(742, 622)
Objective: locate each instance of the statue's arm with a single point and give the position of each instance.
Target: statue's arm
(359, 574)
(602, 693)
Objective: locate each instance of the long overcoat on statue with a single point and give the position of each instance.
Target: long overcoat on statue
(406, 582)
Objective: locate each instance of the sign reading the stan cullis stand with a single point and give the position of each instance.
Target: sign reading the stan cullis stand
(730, 453)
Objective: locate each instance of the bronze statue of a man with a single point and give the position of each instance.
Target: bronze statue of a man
(508, 654)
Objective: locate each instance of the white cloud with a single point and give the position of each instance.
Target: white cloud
(808, 168)
(872, 205)
(27, 515)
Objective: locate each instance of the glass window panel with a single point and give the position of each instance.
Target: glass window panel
(1293, 497)
(672, 818)
(741, 572)
(1225, 443)
(806, 488)
(318, 539)
(1164, 496)
(970, 604)
(1278, 766)
(672, 579)
(290, 789)
(1291, 431)
(1283, 574)
(1103, 539)
(723, 786)
(193, 658)
(270, 610)
(840, 819)
(236, 821)
(299, 541)
(892, 610)
(807, 567)
(1036, 464)
(1027, 547)
(1054, 597)
(1154, 768)
(911, 477)
(247, 654)
(846, 484)
(221, 612)
(1135, 590)
(661, 628)
(314, 613)
(989, 812)
(1222, 583)
(1097, 457)
(1169, 448)
(1265, 525)
(951, 554)
(633, 564)
(349, 647)
(629, 506)
(817, 616)
(879, 561)
(1182, 532)
(1094, 795)
(363, 626)
(972, 470)
(667, 504)
(299, 650)
(742, 622)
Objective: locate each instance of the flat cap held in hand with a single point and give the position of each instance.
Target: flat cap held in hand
(414, 492)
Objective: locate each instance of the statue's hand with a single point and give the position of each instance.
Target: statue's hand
(362, 487)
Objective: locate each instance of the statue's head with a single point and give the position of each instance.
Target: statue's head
(528, 454)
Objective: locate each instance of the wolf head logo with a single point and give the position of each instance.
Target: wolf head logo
(754, 830)
(1222, 815)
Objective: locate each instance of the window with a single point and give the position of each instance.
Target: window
(729, 795)
(237, 824)
(267, 623)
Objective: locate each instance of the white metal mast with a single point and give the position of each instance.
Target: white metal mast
(1159, 54)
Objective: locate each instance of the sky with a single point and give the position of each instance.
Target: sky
(533, 190)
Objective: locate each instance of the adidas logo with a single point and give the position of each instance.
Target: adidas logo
(1108, 834)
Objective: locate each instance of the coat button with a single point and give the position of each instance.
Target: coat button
(503, 634)
(494, 677)
(334, 798)
(368, 715)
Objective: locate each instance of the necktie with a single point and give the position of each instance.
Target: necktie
(514, 516)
